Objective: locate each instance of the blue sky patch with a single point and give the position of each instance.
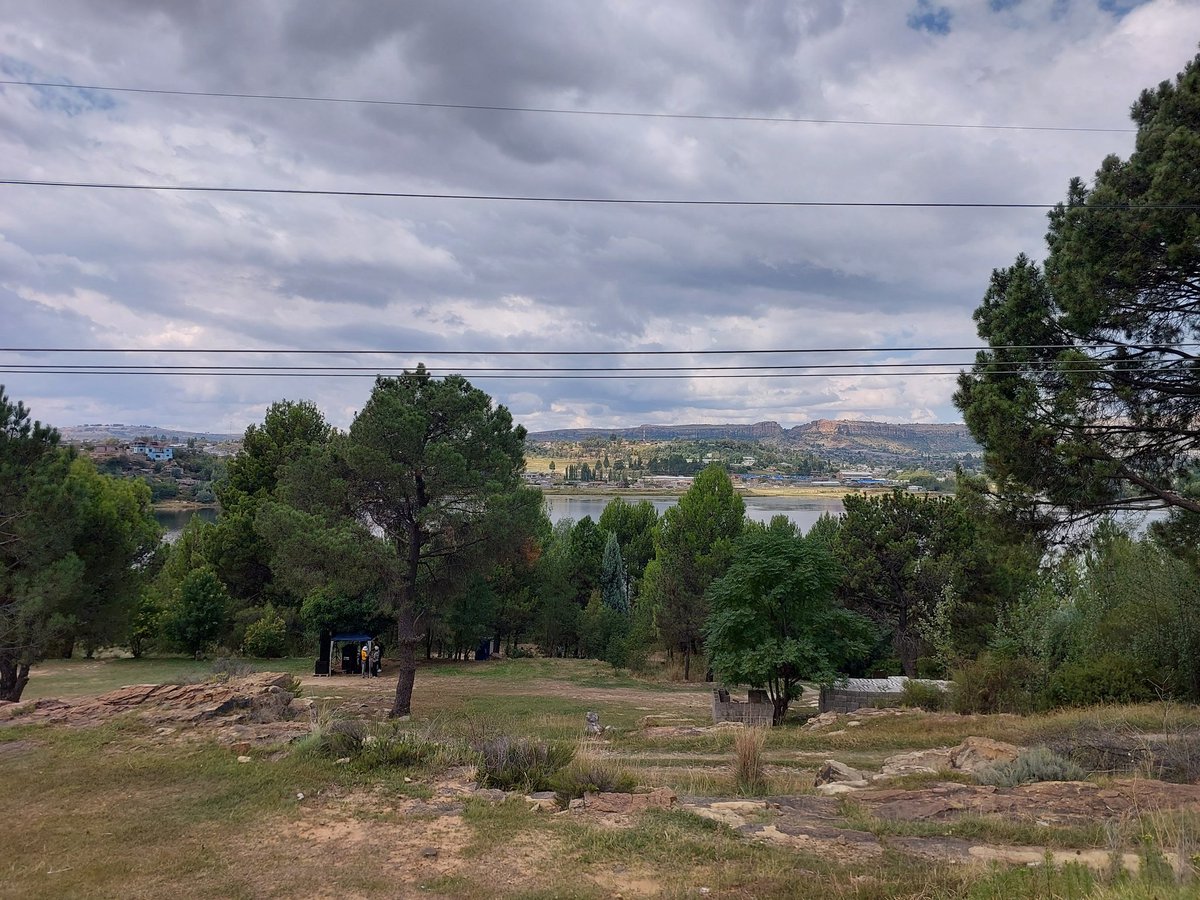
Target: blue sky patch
(68, 101)
(930, 18)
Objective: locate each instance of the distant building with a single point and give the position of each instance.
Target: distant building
(152, 450)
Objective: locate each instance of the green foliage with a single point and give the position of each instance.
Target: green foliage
(634, 525)
(1088, 399)
(521, 764)
(289, 430)
(1111, 678)
(1035, 764)
(614, 580)
(75, 547)
(434, 468)
(928, 697)
(199, 614)
(694, 547)
(994, 683)
(902, 555)
(267, 636)
(774, 618)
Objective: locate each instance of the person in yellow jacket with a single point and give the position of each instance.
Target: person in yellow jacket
(364, 656)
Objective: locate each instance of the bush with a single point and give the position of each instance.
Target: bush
(266, 637)
(520, 764)
(929, 697)
(372, 746)
(590, 773)
(992, 684)
(748, 761)
(1110, 678)
(1038, 764)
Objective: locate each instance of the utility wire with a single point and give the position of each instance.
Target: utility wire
(325, 351)
(1033, 365)
(561, 111)
(612, 201)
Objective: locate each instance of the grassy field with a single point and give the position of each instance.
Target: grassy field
(119, 810)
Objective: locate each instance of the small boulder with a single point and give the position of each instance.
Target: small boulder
(833, 771)
(978, 753)
(593, 723)
(918, 762)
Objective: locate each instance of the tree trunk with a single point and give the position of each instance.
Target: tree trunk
(407, 633)
(779, 704)
(13, 678)
(906, 649)
(687, 662)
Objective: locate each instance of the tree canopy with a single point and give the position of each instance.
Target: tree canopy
(428, 478)
(1089, 395)
(694, 546)
(775, 619)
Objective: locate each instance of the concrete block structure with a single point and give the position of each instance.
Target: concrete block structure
(755, 710)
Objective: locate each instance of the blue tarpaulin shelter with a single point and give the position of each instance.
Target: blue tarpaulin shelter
(350, 660)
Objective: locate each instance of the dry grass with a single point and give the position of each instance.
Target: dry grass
(748, 765)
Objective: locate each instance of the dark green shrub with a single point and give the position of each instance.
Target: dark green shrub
(520, 764)
(389, 745)
(992, 684)
(1037, 764)
(1110, 678)
(929, 697)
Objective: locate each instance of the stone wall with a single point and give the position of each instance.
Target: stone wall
(758, 710)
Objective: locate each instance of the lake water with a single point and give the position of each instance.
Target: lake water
(803, 511)
(174, 520)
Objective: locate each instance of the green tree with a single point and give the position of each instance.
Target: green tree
(1088, 399)
(199, 614)
(634, 524)
(40, 572)
(614, 584)
(774, 617)
(695, 546)
(116, 538)
(429, 474)
(289, 429)
(902, 556)
(74, 548)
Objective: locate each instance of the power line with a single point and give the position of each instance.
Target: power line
(1051, 366)
(611, 201)
(326, 351)
(562, 111)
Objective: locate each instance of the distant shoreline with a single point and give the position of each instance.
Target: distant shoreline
(824, 493)
(182, 505)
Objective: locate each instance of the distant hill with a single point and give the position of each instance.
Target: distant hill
(821, 436)
(120, 432)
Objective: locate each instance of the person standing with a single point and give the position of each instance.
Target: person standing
(376, 659)
(364, 658)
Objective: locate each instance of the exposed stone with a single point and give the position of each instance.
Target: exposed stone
(832, 771)
(972, 755)
(245, 759)
(577, 803)
(593, 723)
(608, 802)
(918, 762)
(836, 788)
(430, 852)
(978, 753)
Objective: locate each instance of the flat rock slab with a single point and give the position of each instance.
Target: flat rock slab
(1048, 802)
(237, 709)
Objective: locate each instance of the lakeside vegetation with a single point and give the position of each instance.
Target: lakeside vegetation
(1057, 629)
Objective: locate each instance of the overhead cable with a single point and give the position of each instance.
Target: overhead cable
(564, 111)
(611, 201)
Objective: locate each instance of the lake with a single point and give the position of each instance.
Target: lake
(803, 511)
(174, 520)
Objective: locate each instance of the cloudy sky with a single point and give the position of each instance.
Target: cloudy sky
(107, 269)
